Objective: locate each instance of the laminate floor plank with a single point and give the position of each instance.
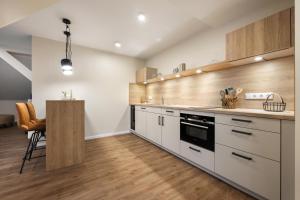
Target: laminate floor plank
(122, 167)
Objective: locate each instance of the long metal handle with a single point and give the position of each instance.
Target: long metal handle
(158, 120)
(198, 150)
(241, 156)
(169, 111)
(200, 121)
(241, 120)
(241, 132)
(143, 108)
(195, 125)
(162, 120)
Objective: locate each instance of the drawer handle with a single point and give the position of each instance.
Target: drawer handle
(241, 132)
(241, 156)
(197, 150)
(143, 108)
(241, 120)
(169, 111)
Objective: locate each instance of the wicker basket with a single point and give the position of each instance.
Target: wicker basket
(274, 106)
(230, 101)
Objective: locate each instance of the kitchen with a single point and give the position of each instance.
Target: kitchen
(242, 135)
(160, 99)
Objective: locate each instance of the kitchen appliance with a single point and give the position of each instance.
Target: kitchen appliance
(132, 117)
(198, 130)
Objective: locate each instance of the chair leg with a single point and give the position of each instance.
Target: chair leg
(34, 142)
(25, 156)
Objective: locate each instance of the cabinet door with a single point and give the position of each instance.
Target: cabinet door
(278, 31)
(141, 75)
(171, 133)
(255, 39)
(236, 44)
(140, 122)
(153, 127)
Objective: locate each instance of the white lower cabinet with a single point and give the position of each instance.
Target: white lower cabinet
(140, 122)
(171, 133)
(154, 127)
(198, 155)
(255, 173)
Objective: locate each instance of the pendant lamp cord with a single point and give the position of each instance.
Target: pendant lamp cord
(68, 42)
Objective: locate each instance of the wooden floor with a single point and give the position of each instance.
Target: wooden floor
(120, 167)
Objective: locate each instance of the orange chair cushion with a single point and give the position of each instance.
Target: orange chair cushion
(25, 122)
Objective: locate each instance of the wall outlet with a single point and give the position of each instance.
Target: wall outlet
(259, 96)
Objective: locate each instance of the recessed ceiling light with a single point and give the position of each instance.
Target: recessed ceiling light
(118, 44)
(258, 58)
(145, 82)
(177, 75)
(198, 71)
(141, 17)
(162, 78)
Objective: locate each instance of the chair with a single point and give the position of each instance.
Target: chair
(34, 119)
(28, 125)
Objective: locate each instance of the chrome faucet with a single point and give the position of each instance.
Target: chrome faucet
(162, 100)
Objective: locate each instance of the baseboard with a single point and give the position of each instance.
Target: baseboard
(106, 135)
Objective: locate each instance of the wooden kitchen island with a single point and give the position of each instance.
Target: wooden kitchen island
(65, 144)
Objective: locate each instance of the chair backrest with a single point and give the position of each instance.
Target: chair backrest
(24, 117)
(31, 111)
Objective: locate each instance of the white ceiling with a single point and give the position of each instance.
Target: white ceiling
(99, 23)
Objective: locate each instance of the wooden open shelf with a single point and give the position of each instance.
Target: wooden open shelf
(226, 64)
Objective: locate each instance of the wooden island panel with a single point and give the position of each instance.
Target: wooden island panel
(65, 133)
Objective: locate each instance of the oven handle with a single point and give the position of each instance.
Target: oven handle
(195, 125)
(200, 121)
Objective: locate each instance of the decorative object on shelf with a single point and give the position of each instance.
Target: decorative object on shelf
(274, 106)
(67, 95)
(180, 68)
(229, 97)
(66, 63)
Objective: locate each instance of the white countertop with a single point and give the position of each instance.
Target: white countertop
(286, 115)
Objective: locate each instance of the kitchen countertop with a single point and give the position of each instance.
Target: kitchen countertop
(286, 115)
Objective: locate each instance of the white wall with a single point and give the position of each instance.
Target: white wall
(9, 107)
(297, 85)
(209, 46)
(100, 78)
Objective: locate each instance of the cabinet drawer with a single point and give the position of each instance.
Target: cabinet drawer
(171, 112)
(264, 124)
(266, 144)
(259, 175)
(197, 155)
(141, 108)
(154, 110)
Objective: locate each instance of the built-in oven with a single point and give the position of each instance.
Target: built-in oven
(198, 130)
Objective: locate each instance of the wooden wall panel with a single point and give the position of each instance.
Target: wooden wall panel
(137, 93)
(203, 89)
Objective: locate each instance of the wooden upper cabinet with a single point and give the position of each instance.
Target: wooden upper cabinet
(235, 44)
(293, 26)
(144, 74)
(270, 34)
(255, 39)
(278, 31)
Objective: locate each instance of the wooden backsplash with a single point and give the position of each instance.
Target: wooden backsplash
(203, 89)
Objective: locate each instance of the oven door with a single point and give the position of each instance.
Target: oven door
(200, 134)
